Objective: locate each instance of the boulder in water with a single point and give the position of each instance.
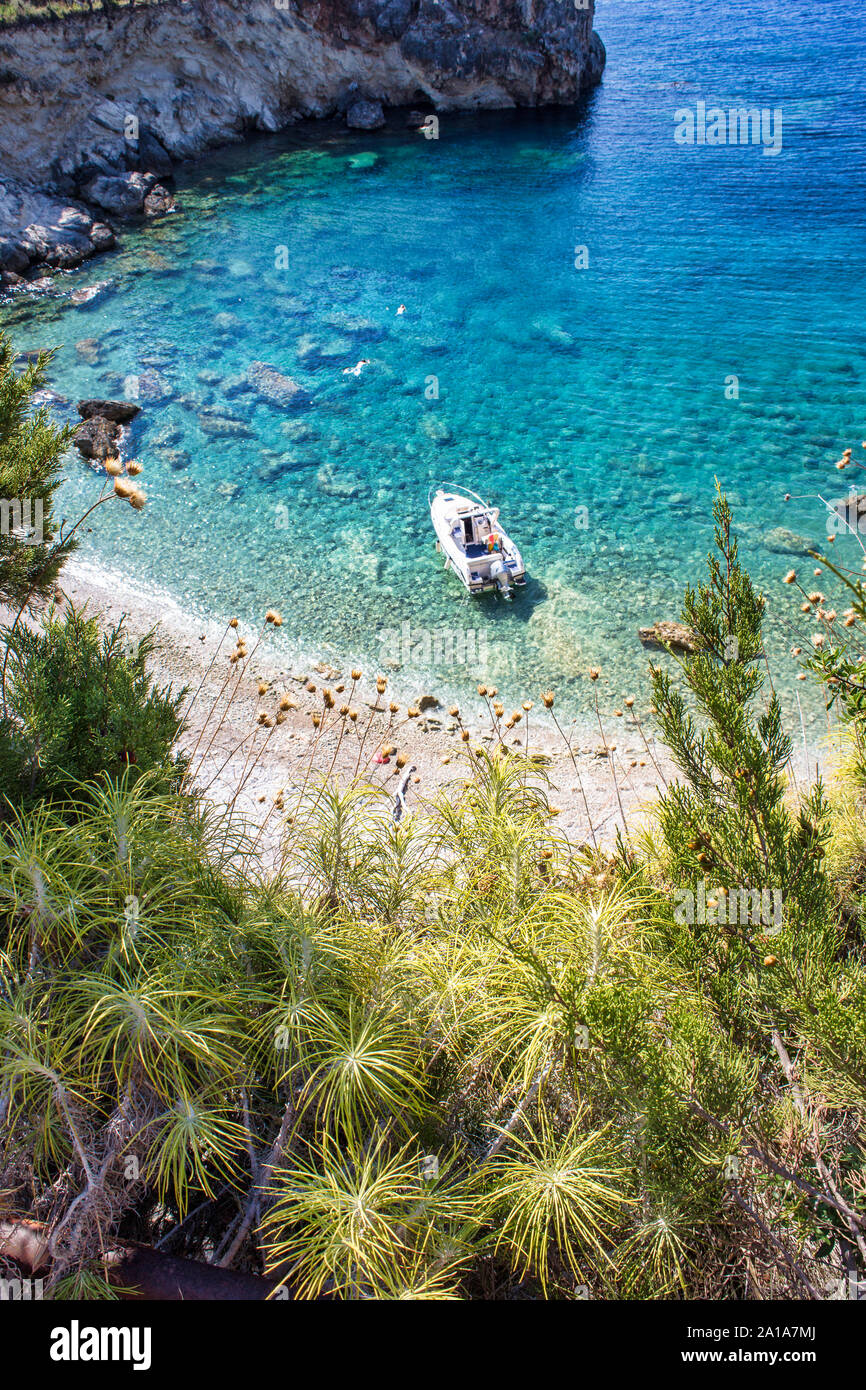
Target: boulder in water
(669, 634)
(273, 386)
(158, 202)
(120, 412)
(88, 295)
(223, 426)
(96, 438)
(785, 542)
(365, 115)
(122, 195)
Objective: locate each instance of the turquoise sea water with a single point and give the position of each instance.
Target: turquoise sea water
(559, 388)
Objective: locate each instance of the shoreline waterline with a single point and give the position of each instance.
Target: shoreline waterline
(618, 765)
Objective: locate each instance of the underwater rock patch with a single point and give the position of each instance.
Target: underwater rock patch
(273, 386)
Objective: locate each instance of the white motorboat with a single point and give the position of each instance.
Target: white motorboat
(473, 541)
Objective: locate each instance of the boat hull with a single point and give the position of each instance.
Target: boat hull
(461, 523)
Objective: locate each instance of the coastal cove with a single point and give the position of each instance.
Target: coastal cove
(593, 404)
(433, 689)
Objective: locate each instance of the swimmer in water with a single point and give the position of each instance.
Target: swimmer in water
(358, 367)
(402, 309)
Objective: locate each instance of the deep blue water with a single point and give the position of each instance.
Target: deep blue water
(558, 388)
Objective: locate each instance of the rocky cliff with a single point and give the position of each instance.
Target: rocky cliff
(94, 110)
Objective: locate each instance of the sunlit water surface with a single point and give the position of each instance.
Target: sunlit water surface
(549, 388)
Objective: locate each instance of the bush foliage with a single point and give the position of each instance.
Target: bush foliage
(456, 1057)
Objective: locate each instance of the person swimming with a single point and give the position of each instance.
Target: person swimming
(358, 367)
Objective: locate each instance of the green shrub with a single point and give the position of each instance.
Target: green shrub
(81, 705)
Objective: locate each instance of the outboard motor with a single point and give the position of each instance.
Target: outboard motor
(499, 572)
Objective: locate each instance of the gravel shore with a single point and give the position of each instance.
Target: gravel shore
(256, 763)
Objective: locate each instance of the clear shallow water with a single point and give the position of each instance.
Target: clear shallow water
(559, 389)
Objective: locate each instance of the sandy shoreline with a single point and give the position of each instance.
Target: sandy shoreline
(195, 652)
(256, 766)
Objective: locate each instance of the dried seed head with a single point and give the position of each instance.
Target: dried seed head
(527, 705)
(790, 577)
(413, 711)
(594, 673)
(482, 690)
(454, 711)
(138, 500)
(400, 760)
(133, 468)
(263, 689)
(394, 709)
(113, 467)
(629, 702)
(123, 487)
(233, 622)
(356, 674)
(547, 699)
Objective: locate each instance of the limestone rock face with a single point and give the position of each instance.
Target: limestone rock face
(93, 107)
(39, 229)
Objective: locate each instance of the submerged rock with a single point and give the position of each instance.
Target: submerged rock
(223, 426)
(335, 484)
(436, 429)
(177, 459)
(90, 293)
(785, 542)
(273, 386)
(89, 350)
(670, 634)
(366, 160)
